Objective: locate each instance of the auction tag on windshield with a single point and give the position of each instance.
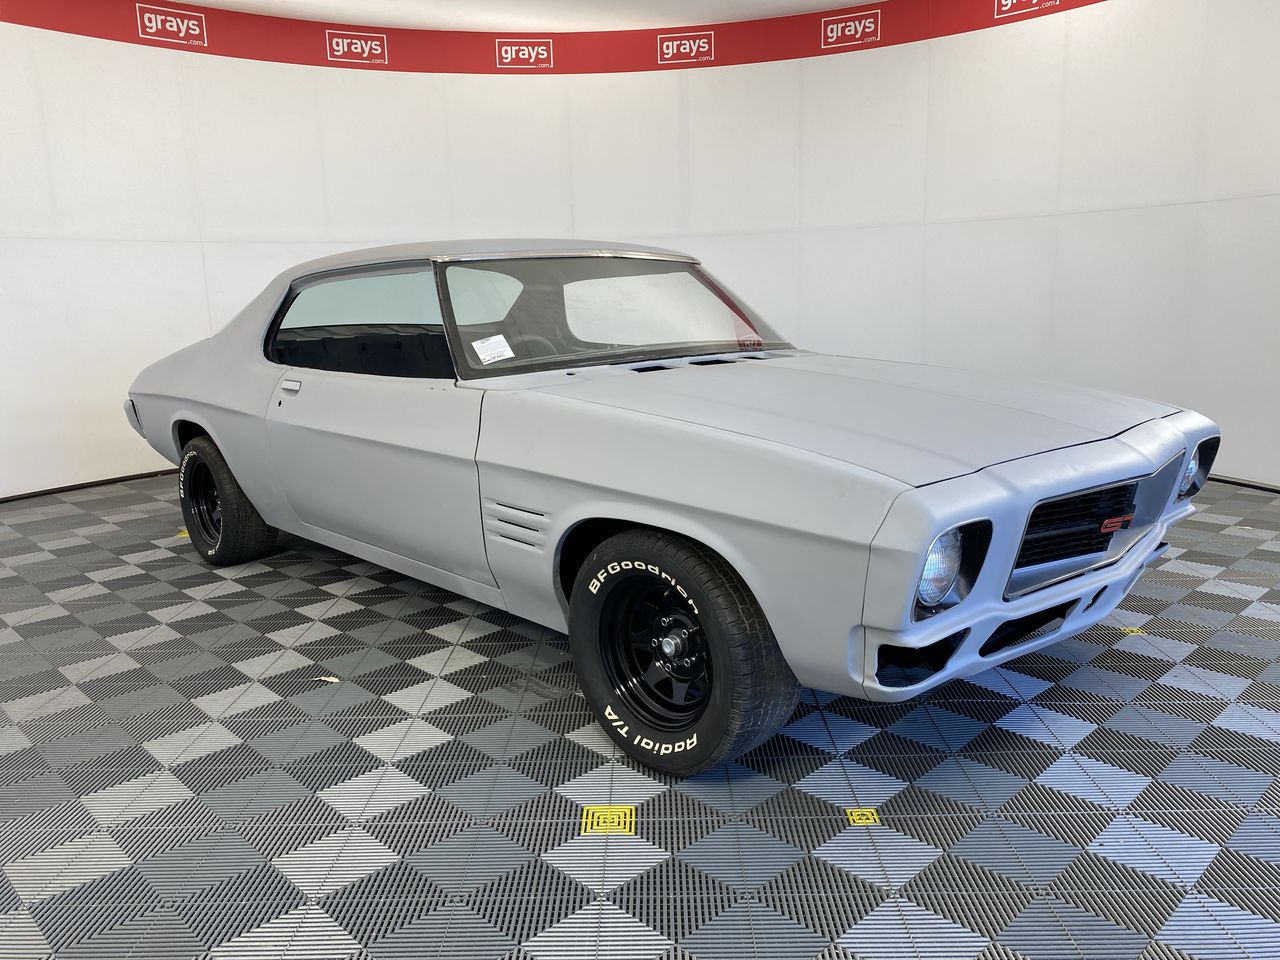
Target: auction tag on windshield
(492, 349)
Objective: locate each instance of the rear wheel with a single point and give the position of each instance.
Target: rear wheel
(223, 525)
(674, 654)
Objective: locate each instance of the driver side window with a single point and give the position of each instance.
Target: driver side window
(385, 324)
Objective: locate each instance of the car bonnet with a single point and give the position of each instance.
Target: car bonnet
(915, 423)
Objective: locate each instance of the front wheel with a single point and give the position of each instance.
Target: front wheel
(674, 654)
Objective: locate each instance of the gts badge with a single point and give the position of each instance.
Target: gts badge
(1115, 524)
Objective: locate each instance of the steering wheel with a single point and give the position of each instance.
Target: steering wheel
(532, 344)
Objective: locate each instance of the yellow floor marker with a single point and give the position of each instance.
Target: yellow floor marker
(609, 819)
(862, 816)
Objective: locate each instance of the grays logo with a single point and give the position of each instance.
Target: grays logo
(687, 47)
(346, 46)
(851, 29)
(171, 26)
(1011, 8)
(524, 54)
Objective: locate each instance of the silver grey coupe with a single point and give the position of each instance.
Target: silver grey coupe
(602, 439)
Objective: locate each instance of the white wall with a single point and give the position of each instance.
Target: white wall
(1092, 196)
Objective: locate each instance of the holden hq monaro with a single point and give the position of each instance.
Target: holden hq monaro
(602, 439)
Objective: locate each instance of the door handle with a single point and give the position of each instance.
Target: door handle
(290, 386)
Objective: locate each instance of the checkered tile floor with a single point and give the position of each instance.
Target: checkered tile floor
(314, 757)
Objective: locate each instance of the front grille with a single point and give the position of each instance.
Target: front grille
(1073, 526)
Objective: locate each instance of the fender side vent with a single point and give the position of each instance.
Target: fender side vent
(518, 526)
(515, 509)
(513, 524)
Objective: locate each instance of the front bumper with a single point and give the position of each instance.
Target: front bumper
(896, 656)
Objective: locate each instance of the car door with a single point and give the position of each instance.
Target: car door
(371, 438)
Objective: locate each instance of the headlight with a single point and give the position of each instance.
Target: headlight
(941, 567)
(1189, 474)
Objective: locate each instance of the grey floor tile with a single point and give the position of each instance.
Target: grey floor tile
(175, 780)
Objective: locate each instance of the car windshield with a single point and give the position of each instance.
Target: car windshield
(544, 313)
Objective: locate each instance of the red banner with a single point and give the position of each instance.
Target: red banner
(252, 36)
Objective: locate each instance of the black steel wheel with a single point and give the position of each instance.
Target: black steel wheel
(206, 506)
(674, 655)
(655, 653)
(223, 525)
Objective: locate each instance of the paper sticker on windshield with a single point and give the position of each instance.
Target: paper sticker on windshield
(492, 349)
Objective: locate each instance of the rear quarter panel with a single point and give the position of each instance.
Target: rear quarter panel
(223, 384)
(795, 526)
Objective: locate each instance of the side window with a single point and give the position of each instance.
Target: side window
(381, 324)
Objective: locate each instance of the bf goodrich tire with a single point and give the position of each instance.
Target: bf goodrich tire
(224, 526)
(673, 653)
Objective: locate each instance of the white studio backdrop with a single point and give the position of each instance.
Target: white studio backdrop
(1092, 196)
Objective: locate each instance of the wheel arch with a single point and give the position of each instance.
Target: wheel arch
(576, 545)
(241, 445)
(583, 536)
(652, 719)
(185, 430)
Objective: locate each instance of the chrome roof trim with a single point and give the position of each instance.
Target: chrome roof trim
(565, 252)
(447, 251)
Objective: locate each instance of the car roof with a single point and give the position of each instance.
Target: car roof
(511, 248)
